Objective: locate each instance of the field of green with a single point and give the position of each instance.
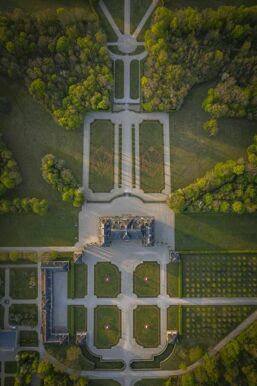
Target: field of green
(173, 322)
(2, 283)
(134, 79)
(36, 5)
(116, 8)
(28, 338)
(9, 381)
(119, 79)
(103, 382)
(146, 279)
(107, 280)
(23, 283)
(77, 281)
(150, 382)
(138, 9)
(107, 326)
(77, 319)
(10, 367)
(2, 316)
(173, 280)
(151, 157)
(219, 275)
(147, 326)
(206, 3)
(101, 175)
(30, 132)
(23, 315)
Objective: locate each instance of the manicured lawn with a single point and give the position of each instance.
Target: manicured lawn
(23, 283)
(151, 382)
(147, 326)
(107, 280)
(207, 325)
(101, 177)
(146, 279)
(30, 132)
(9, 381)
(173, 280)
(1, 316)
(134, 79)
(2, 282)
(206, 3)
(173, 318)
(77, 319)
(138, 9)
(10, 367)
(203, 231)
(116, 8)
(119, 79)
(18, 257)
(35, 5)
(28, 338)
(151, 157)
(107, 326)
(103, 382)
(193, 151)
(77, 281)
(219, 275)
(23, 315)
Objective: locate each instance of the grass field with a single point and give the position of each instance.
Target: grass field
(147, 326)
(107, 280)
(134, 79)
(10, 367)
(9, 381)
(206, 3)
(146, 279)
(116, 8)
(203, 231)
(23, 283)
(23, 315)
(107, 326)
(77, 319)
(138, 9)
(28, 338)
(36, 5)
(2, 282)
(173, 318)
(77, 281)
(173, 283)
(1, 316)
(151, 157)
(150, 382)
(30, 132)
(103, 382)
(101, 177)
(219, 275)
(119, 79)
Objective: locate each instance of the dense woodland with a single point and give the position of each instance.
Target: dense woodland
(229, 187)
(60, 54)
(187, 47)
(9, 178)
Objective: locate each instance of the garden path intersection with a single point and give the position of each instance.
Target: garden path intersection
(126, 197)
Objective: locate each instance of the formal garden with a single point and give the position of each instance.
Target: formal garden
(146, 279)
(77, 320)
(107, 280)
(23, 283)
(28, 338)
(77, 281)
(107, 326)
(101, 170)
(147, 326)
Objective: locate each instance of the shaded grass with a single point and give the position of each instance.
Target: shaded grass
(77, 281)
(36, 5)
(60, 353)
(202, 231)
(151, 157)
(2, 282)
(119, 79)
(101, 178)
(77, 319)
(107, 280)
(103, 382)
(18, 257)
(151, 286)
(10, 367)
(219, 275)
(116, 8)
(28, 338)
(151, 382)
(9, 381)
(147, 315)
(173, 318)
(206, 3)
(134, 79)
(23, 283)
(138, 9)
(107, 316)
(23, 315)
(1, 316)
(173, 279)
(30, 132)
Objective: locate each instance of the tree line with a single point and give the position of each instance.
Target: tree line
(60, 54)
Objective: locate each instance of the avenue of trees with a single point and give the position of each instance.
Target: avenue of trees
(187, 47)
(55, 172)
(28, 365)
(229, 187)
(10, 177)
(60, 54)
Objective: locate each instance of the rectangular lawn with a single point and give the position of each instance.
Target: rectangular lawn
(10, 367)
(146, 279)
(151, 151)
(134, 79)
(77, 319)
(23, 283)
(119, 79)
(2, 282)
(28, 338)
(147, 326)
(101, 178)
(174, 279)
(107, 326)
(107, 280)
(23, 315)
